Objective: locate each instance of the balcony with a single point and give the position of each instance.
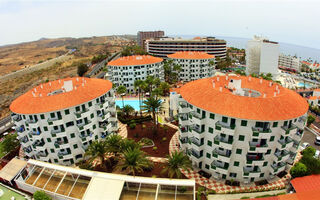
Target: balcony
(289, 129)
(196, 141)
(183, 105)
(57, 131)
(24, 140)
(183, 117)
(38, 144)
(258, 147)
(251, 170)
(34, 133)
(183, 140)
(64, 154)
(196, 115)
(256, 131)
(220, 125)
(31, 121)
(197, 129)
(53, 119)
(79, 113)
(16, 118)
(258, 158)
(100, 104)
(278, 167)
(81, 125)
(59, 143)
(42, 154)
(85, 136)
(281, 154)
(195, 153)
(20, 129)
(224, 142)
(183, 129)
(215, 164)
(285, 141)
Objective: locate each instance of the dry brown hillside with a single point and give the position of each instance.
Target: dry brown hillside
(12, 57)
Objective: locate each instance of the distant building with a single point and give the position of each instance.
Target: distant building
(194, 64)
(126, 70)
(287, 62)
(314, 66)
(145, 35)
(161, 47)
(58, 120)
(262, 56)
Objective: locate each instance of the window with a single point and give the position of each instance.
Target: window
(55, 160)
(244, 122)
(207, 166)
(42, 116)
(52, 115)
(239, 151)
(285, 123)
(198, 110)
(208, 155)
(78, 108)
(268, 151)
(210, 130)
(48, 139)
(45, 128)
(52, 150)
(236, 163)
(224, 176)
(75, 146)
(94, 126)
(241, 137)
(233, 175)
(275, 124)
(265, 163)
(92, 115)
(261, 175)
(72, 135)
(90, 104)
(96, 137)
(67, 112)
(271, 138)
(209, 143)
(225, 119)
(211, 116)
(68, 124)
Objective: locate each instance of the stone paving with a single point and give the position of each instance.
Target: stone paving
(219, 186)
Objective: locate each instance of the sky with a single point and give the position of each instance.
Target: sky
(289, 21)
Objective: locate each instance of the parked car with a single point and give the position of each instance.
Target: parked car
(304, 145)
(317, 141)
(316, 154)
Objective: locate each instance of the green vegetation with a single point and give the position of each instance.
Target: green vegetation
(153, 105)
(128, 109)
(82, 69)
(41, 195)
(133, 50)
(307, 165)
(97, 150)
(120, 90)
(171, 71)
(8, 144)
(176, 161)
(240, 72)
(99, 58)
(310, 120)
(7, 194)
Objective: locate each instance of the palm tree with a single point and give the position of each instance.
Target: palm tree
(165, 87)
(176, 161)
(129, 144)
(127, 109)
(120, 90)
(137, 85)
(152, 105)
(150, 82)
(134, 161)
(97, 150)
(113, 144)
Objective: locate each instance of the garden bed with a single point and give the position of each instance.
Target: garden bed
(161, 139)
(156, 172)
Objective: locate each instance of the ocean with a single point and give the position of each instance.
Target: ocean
(288, 49)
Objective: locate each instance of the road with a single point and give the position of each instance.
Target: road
(310, 138)
(5, 124)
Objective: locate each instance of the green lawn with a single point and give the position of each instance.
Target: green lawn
(7, 194)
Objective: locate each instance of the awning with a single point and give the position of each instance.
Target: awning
(101, 188)
(13, 167)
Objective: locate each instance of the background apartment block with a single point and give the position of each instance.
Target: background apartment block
(142, 36)
(57, 121)
(289, 62)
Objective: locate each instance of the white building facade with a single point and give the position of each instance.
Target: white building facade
(194, 65)
(233, 132)
(262, 56)
(57, 121)
(126, 70)
(289, 62)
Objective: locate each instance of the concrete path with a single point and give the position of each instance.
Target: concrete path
(239, 196)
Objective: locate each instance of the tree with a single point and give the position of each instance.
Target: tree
(310, 120)
(165, 87)
(9, 143)
(134, 161)
(129, 144)
(309, 151)
(152, 105)
(97, 150)
(41, 195)
(137, 85)
(127, 109)
(171, 71)
(82, 69)
(176, 161)
(133, 50)
(299, 170)
(113, 144)
(120, 90)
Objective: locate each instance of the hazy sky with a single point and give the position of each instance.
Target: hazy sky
(295, 22)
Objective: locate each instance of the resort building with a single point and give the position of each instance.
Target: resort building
(240, 128)
(287, 62)
(314, 100)
(126, 70)
(61, 182)
(161, 47)
(142, 36)
(58, 120)
(194, 64)
(262, 56)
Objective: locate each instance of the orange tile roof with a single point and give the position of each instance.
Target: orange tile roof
(37, 100)
(305, 62)
(306, 183)
(318, 90)
(287, 104)
(190, 55)
(135, 60)
(313, 98)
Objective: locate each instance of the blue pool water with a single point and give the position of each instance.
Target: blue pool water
(133, 103)
(301, 84)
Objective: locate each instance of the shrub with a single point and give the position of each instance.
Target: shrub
(154, 176)
(182, 189)
(155, 148)
(310, 151)
(298, 170)
(161, 126)
(245, 198)
(212, 192)
(82, 69)
(41, 195)
(310, 119)
(164, 139)
(133, 125)
(143, 126)
(136, 135)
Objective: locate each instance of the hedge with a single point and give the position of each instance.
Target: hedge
(137, 120)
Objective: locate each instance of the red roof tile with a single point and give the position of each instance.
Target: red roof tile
(287, 104)
(135, 60)
(37, 100)
(306, 183)
(190, 55)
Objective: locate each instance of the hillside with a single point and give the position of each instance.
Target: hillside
(18, 56)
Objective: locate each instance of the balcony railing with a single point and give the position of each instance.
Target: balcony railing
(257, 130)
(219, 139)
(223, 125)
(216, 164)
(79, 113)
(80, 126)
(251, 158)
(285, 141)
(183, 117)
(255, 145)
(54, 119)
(183, 129)
(248, 170)
(35, 132)
(288, 129)
(55, 132)
(195, 153)
(196, 142)
(31, 121)
(217, 152)
(196, 115)
(197, 129)
(63, 153)
(183, 140)
(42, 154)
(183, 104)
(277, 166)
(38, 144)
(281, 154)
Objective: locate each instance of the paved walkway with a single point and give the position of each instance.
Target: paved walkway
(219, 186)
(122, 130)
(240, 195)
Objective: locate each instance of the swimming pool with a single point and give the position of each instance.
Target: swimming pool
(301, 84)
(133, 103)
